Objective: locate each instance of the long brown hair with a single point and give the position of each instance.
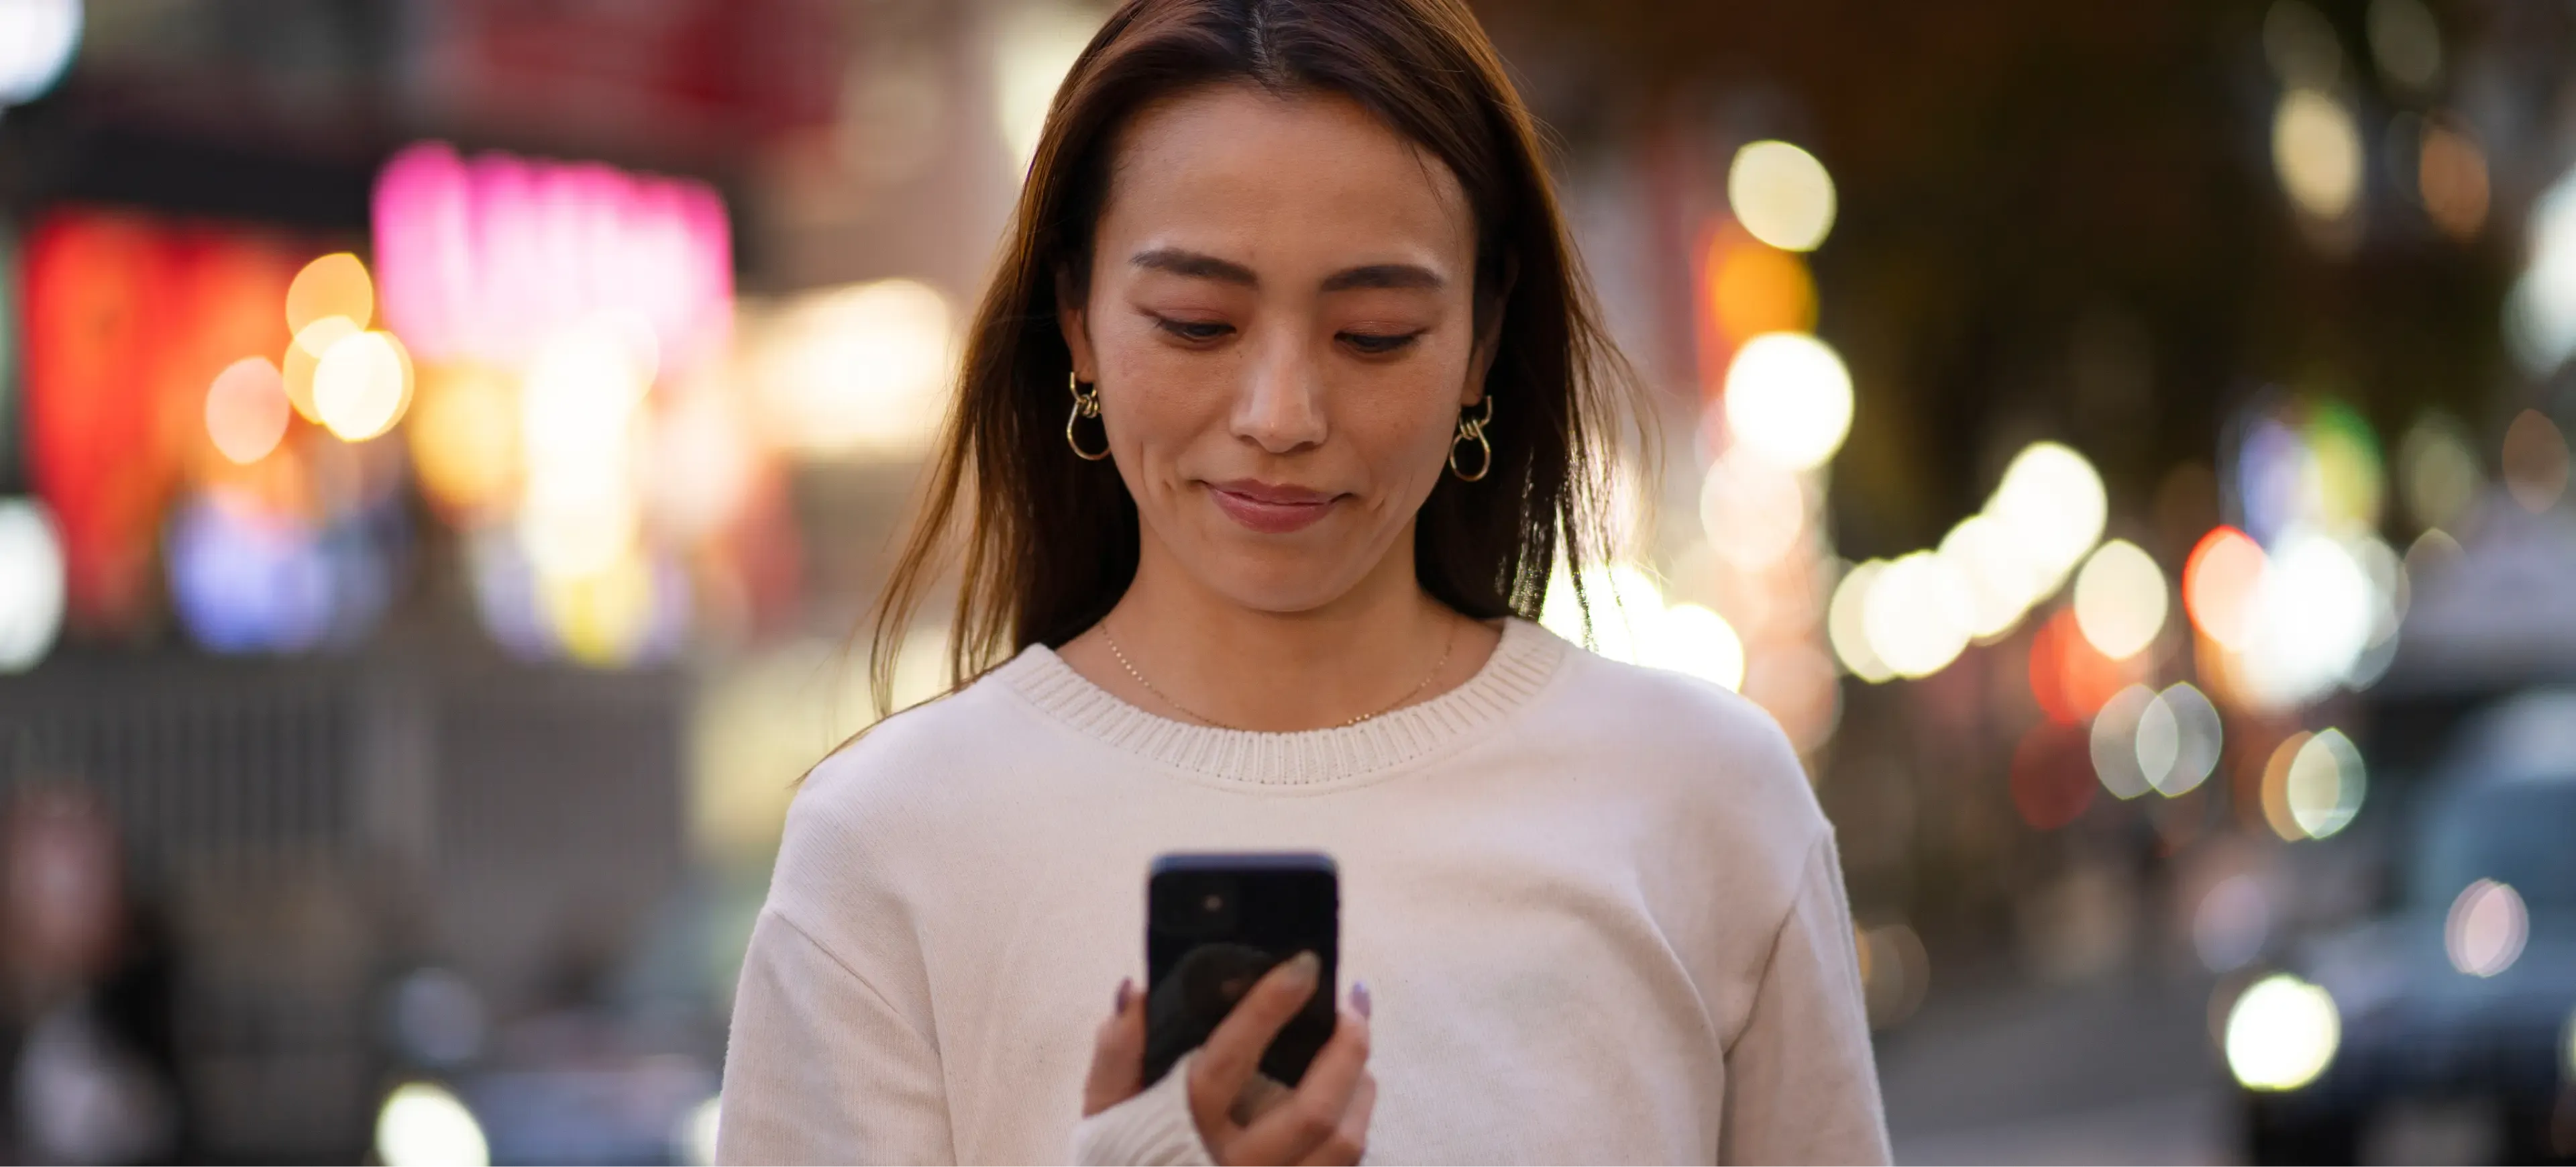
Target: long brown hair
(1050, 541)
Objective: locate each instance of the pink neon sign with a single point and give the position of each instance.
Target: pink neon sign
(483, 258)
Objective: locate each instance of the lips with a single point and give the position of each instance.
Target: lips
(1270, 508)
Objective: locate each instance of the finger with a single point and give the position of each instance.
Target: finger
(1313, 1113)
(1233, 1051)
(1259, 1095)
(1350, 1141)
(1117, 1054)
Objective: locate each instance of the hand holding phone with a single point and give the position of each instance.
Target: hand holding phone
(1244, 1111)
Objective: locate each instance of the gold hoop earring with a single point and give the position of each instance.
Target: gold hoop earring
(1472, 429)
(1084, 405)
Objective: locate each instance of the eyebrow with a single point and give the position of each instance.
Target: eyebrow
(1195, 265)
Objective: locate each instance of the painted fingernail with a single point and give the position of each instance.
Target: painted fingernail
(1305, 966)
(1126, 991)
(1360, 997)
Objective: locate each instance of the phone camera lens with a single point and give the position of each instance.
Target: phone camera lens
(1213, 903)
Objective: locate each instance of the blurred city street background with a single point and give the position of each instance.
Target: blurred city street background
(446, 447)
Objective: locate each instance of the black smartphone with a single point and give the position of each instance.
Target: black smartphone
(1214, 923)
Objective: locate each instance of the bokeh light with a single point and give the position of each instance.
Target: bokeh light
(464, 436)
(245, 581)
(2281, 1033)
(2451, 178)
(2312, 617)
(2323, 785)
(1626, 609)
(2115, 742)
(1691, 639)
(2316, 149)
(2535, 461)
(2407, 43)
(2540, 310)
(246, 410)
(31, 583)
(1753, 511)
(2069, 677)
(1847, 623)
(2231, 922)
(2120, 600)
(2180, 739)
(2053, 501)
(2219, 581)
(2300, 45)
(423, 1125)
(2438, 472)
(2002, 580)
(2486, 929)
(37, 38)
(304, 360)
(1789, 399)
(1781, 194)
(362, 385)
(1754, 288)
(1918, 614)
(333, 285)
(857, 370)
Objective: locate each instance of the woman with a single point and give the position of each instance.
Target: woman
(1264, 580)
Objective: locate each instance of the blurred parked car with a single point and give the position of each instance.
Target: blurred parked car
(2445, 1024)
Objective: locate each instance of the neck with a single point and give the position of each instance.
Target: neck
(1206, 657)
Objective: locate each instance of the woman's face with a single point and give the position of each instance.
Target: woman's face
(1281, 322)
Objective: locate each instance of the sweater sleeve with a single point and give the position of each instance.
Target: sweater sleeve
(1154, 1127)
(820, 1068)
(1801, 1083)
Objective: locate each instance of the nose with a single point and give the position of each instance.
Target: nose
(1281, 407)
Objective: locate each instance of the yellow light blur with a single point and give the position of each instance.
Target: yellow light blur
(2317, 151)
(362, 386)
(2324, 784)
(1692, 640)
(1755, 288)
(247, 410)
(601, 617)
(1789, 399)
(2282, 1033)
(2451, 175)
(1781, 194)
(464, 435)
(304, 357)
(2486, 928)
(1918, 615)
(1753, 511)
(1847, 623)
(574, 527)
(333, 285)
(422, 1125)
(2002, 581)
(2120, 600)
(2535, 461)
(1626, 609)
(2053, 501)
(861, 370)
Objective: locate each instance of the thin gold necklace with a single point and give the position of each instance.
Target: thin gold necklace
(1166, 698)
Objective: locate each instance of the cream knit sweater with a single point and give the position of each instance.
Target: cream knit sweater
(1598, 911)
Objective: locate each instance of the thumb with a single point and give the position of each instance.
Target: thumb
(1117, 1054)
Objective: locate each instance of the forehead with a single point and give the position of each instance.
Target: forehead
(1283, 181)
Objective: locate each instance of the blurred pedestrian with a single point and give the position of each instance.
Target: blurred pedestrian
(92, 1068)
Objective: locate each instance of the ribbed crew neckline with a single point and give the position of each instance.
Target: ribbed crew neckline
(1521, 664)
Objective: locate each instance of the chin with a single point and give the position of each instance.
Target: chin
(1276, 580)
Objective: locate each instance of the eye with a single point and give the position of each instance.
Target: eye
(1379, 343)
(1195, 331)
